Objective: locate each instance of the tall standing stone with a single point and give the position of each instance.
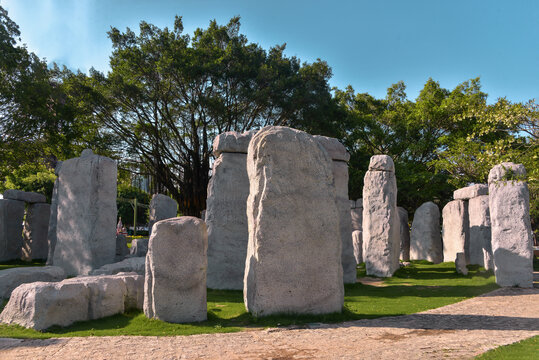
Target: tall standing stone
(35, 232)
(86, 222)
(455, 230)
(404, 234)
(509, 203)
(340, 157)
(356, 213)
(226, 208)
(175, 278)
(162, 207)
(11, 218)
(381, 230)
(51, 234)
(480, 232)
(425, 242)
(293, 260)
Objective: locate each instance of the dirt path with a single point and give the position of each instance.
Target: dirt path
(460, 330)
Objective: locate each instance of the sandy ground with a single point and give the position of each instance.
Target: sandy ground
(460, 330)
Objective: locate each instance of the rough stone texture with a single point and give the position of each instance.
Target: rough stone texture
(11, 278)
(11, 218)
(36, 228)
(175, 279)
(133, 264)
(51, 235)
(232, 142)
(460, 264)
(425, 242)
(357, 241)
(381, 229)
(293, 260)
(335, 149)
(29, 197)
(480, 231)
(357, 215)
(86, 223)
(40, 305)
(162, 207)
(226, 218)
(121, 247)
(470, 192)
(455, 230)
(509, 203)
(139, 247)
(404, 234)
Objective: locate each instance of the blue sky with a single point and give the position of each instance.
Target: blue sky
(369, 44)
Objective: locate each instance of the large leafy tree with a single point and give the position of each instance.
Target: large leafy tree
(168, 95)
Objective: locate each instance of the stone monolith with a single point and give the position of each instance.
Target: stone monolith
(162, 207)
(175, 278)
(455, 230)
(381, 230)
(11, 220)
(480, 232)
(36, 227)
(509, 205)
(404, 234)
(425, 241)
(293, 260)
(51, 233)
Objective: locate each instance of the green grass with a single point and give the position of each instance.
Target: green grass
(522, 350)
(19, 263)
(419, 287)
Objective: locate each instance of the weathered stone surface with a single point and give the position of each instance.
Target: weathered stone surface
(232, 142)
(132, 264)
(352, 204)
(357, 215)
(162, 207)
(226, 218)
(51, 234)
(480, 231)
(357, 241)
(36, 228)
(175, 279)
(86, 222)
(404, 234)
(29, 197)
(460, 263)
(139, 247)
(335, 149)
(11, 278)
(40, 305)
(509, 204)
(121, 247)
(425, 242)
(455, 230)
(11, 218)
(293, 260)
(470, 192)
(381, 229)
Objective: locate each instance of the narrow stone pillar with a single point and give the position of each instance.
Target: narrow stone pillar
(381, 230)
(404, 234)
(293, 260)
(455, 230)
(162, 207)
(509, 203)
(11, 218)
(480, 232)
(35, 232)
(51, 234)
(425, 242)
(226, 206)
(356, 213)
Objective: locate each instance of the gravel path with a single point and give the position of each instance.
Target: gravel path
(460, 330)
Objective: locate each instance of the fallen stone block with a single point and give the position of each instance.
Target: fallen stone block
(11, 278)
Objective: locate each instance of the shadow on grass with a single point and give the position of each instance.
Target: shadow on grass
(20, 263)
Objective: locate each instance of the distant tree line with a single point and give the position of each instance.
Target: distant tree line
(168, 94)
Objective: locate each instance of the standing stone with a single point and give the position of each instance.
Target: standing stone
(357, 215)
(460, 263)
(139, 247)
(175, 279)
(293, 260)
(357, 241)
(509, 203)
(51, 235)
(480, 232)
(226, 215)
(404, 234)
(121, 247)
(381, 230)
(11, 218)
(86, 223)
(162, 207)
(36, 227)
(340, 157)
(357, 229)
(455, 230)
(425, 242)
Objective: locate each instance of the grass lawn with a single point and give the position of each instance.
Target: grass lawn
(19, 263)
(419, 287)
(522, 350)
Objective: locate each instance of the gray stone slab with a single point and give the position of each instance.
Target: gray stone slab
(132, 264)
(425, 240)
(162, 207)
(455, 230)
(334, 147)
(480, 231)
(470, 192)
(404, 234)
(232, 142)
(36, 228)
(11, 225)
(139, 247)
(11, 278)
(29, 197)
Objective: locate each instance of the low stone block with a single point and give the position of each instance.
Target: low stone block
(11, 278)
(460, 264)
(470, 192)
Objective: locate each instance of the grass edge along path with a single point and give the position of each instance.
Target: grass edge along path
(522, 350)
(418, 287)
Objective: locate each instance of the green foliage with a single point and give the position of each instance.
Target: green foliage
(126, 195)
(522, 350)
(30, 177)
(415, 288)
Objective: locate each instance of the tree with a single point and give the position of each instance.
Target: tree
(169, 94)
